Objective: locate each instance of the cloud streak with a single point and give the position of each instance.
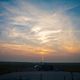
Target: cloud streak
(29, 24)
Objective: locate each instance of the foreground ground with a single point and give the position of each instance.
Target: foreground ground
(9, 67)
(45, 71)
(41, 75)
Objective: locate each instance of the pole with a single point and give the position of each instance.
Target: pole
(42, 58)
(42, 62)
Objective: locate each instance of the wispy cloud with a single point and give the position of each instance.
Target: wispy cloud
(39, 26)
(27, 23)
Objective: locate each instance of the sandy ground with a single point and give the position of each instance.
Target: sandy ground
(41, 76)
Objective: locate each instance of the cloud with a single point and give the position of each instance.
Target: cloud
(25, 48)
(45, 31)
(20, 20)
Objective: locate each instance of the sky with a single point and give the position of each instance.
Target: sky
(40, 30)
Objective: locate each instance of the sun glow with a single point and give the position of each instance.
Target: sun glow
(43, 51)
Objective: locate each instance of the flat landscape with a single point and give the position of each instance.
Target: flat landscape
(49, 75)
(27, 71)
(9, 67)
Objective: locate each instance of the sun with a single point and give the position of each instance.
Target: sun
(43, 51)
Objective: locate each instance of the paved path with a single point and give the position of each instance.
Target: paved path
(41, 76)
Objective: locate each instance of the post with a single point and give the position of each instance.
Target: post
(42, 58)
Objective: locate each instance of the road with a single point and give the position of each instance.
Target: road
(47, 75)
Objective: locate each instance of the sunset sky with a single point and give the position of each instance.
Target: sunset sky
(30, 29)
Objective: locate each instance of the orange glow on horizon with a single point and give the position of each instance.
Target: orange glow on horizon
(71, 48)
(27, 48)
